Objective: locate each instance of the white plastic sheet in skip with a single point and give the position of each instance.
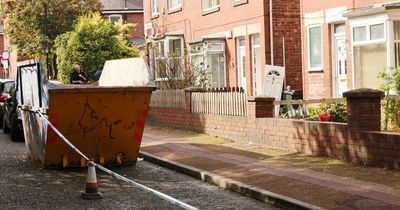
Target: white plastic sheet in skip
(125, 72)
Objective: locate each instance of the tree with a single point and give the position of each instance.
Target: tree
(92, 41)
(31, 28)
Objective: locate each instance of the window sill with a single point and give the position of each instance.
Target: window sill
(210, 11)
(154, 16)
(174, 10)
(315, 69)
(241, 2)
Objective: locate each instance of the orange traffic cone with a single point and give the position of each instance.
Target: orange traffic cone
(91, 192)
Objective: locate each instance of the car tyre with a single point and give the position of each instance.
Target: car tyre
(6, 129)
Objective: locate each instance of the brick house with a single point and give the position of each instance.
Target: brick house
(231, 38)
(346, 44)
(126, 11)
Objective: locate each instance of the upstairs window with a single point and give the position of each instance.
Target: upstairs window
(174, 4)
(115, 18)
(154, 8)
(209, 4)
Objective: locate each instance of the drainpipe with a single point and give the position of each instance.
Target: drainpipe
(271, 33)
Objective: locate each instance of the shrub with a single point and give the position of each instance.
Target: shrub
(390, 105)
(92, 41)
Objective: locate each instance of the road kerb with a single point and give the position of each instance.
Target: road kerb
(230, 184)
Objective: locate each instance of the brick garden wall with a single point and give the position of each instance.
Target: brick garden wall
(336, 140)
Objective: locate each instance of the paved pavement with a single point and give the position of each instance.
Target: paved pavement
(248, 173)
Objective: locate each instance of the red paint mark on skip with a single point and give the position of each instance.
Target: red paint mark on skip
(140, 124)
(144, 113)
(52, 115)
(138, 137)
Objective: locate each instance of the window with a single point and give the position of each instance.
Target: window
(396, 30)
(256, 63)
(210, 55)
(315, 48)
(168, 56)
(159, 58)
(154, 8)
(359, 34)
(115, 18)
(174, 4)
(368, 61)
(377, 31)
(370, 54)
(209, 4)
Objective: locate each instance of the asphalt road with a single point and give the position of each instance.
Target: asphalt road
(26, 185)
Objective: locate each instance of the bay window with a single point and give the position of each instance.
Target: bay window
(369, 54)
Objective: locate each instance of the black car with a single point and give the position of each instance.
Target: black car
(12, 122)
(5, 86)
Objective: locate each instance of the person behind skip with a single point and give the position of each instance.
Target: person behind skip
(78, 77)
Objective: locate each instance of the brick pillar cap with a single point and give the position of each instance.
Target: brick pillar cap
(364, 93)
(259, 98)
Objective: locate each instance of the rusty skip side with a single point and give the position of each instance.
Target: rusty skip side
(102, 122)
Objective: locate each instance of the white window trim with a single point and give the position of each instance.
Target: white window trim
(210, 8)
(119, 16)
(253, 47)
(154, 14)
(368, 40)
(179, 6)
(319, 68)
(166, 51)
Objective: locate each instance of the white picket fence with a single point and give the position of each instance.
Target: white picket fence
(168, 98)
(220, 103)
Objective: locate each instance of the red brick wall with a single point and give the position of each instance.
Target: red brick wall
(136, 18)
(286, 23)
(316, 138)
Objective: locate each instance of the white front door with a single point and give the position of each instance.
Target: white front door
(340, 70)
(241, 58)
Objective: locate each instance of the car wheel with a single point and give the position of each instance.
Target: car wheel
(6, 129)
(14, 130)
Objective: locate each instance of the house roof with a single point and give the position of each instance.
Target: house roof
(120, 5)
(375, 9)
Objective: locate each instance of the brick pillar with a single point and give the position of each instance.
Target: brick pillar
(188, 101)
(260, 107)
(364, 109)
(188, 98)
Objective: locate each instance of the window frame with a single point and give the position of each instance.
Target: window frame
(209, 8)
(116, 15)
(321, 67)
(154, 9)
(368, 40)
(177, 7)
(165, 42)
